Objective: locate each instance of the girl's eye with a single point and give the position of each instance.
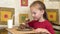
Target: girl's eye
(34, 13)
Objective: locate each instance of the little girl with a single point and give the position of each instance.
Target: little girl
(40, 22)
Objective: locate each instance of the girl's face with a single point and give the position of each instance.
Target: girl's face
(36, 13)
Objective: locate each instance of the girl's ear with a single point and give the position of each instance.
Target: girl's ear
(42, 11)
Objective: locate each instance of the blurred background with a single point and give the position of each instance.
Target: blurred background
(19, 10)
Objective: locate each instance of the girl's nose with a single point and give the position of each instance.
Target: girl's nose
(32, 15)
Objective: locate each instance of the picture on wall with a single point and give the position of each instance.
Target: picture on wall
(24, 2)
(52, 15)
(22, 17)
(5, 14)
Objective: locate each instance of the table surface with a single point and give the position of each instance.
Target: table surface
(15, 31)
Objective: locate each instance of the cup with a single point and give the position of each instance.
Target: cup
(10, 23)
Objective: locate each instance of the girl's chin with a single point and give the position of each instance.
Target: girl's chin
(35, 19)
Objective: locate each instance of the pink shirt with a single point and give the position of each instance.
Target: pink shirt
(45, 24)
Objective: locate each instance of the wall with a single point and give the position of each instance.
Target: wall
(53, 5)
(9, 4)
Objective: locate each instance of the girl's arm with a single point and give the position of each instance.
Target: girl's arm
(38, 30)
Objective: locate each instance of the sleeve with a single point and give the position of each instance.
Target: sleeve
(50, 28)
(30, 24)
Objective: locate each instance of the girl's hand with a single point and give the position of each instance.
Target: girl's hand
(38, 30)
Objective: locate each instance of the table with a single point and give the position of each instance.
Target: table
(2, 29)
(14, 31)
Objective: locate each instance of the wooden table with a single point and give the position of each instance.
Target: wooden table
(14, 31)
